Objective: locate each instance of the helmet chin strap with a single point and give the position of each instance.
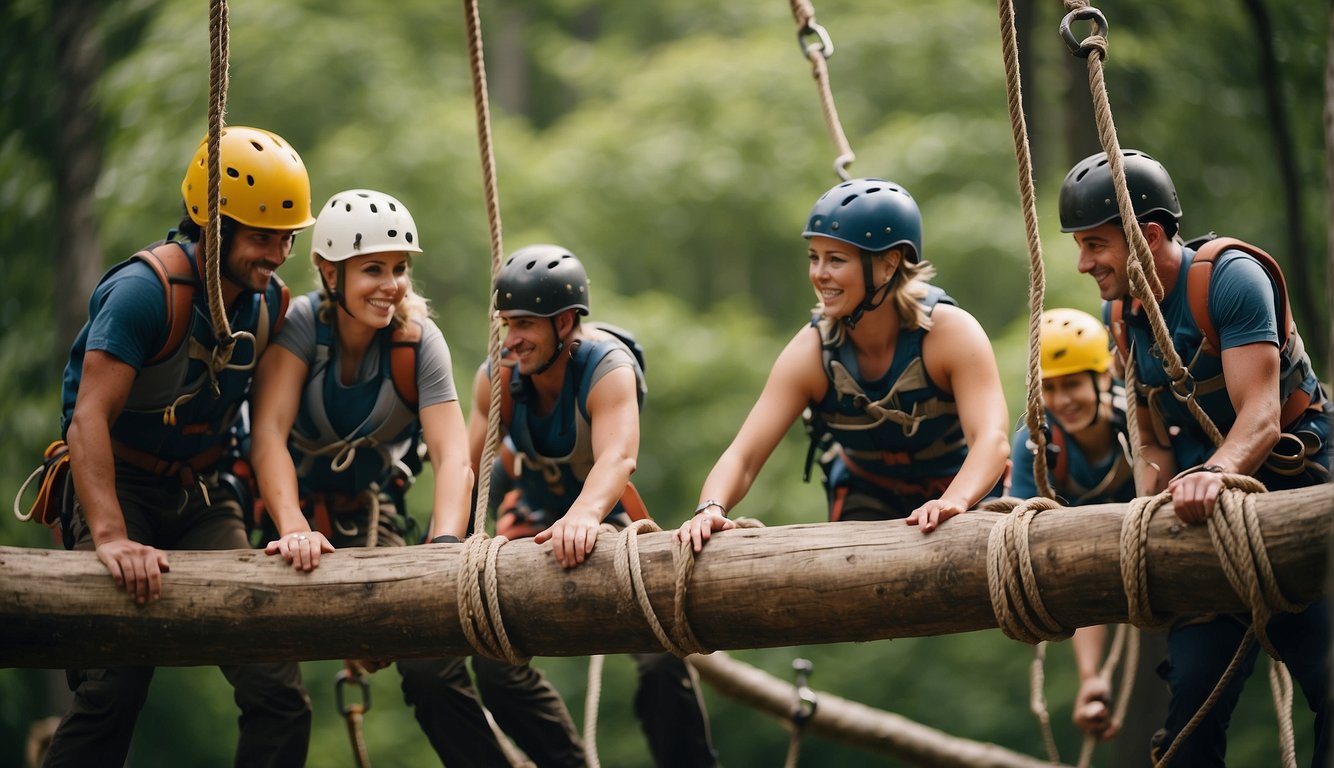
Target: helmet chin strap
(1097, 399)
(335, 295)
(560, 347)
(869, 303)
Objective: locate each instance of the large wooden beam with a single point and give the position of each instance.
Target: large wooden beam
(791, 585)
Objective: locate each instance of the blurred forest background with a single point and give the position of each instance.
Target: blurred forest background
(676, 147)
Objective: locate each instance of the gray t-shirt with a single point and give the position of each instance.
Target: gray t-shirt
(435, 377)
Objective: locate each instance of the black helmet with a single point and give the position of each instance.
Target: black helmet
(1088, 198)
(542, 281)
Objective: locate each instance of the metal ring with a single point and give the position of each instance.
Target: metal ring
(825, 45)
(1077, 47)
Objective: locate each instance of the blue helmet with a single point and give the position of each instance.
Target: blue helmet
(872, 214)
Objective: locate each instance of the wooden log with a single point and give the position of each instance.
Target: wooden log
(754, 588)
(871, 730)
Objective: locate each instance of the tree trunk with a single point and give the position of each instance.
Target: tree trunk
(751, 588)
(846, 722)
(78, 164)
(1302, 289)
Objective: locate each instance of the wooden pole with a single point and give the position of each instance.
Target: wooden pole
(871, 730)
(753, 588)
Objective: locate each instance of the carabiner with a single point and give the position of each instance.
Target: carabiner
(807, 702)
(824, 45)
(344, 677)
(1079, 47)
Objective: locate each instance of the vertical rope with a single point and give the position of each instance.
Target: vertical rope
(477, 66)
(592, 698)
(219, 52)
(1034, 415)
(818, 53)
(1144, 283)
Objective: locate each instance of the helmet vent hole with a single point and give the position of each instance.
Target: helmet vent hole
(553, 264)
(347, 207)
(531, 264)
(847, 200)
(407, 236)
(1082, 174)
(333, 203)
(392, 233)
(288, 204)
(249, 180)
(356, 242)
(374, 209)
(258, 147)
(393, 207)
(872, 190)
(232, 172)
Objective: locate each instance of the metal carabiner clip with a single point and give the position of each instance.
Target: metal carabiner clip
(824, 44)
(807, 702)
(1078, 47)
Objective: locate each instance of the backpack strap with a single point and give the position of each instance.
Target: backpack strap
(172, 266)
(404, 344)
(1201, 273)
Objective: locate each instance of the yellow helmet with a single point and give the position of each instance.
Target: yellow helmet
(264, 183)
(1073, 342)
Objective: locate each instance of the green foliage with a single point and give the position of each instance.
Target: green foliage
(677, 148)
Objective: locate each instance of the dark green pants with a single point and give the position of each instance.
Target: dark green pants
(275, 710)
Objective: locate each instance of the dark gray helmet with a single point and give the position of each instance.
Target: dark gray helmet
(542, 281)
(1088, 197)
(871, 214)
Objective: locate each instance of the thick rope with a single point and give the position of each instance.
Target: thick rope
(219, 52)
(591, 700)
(513, 755)
(1037, 700)
(478, 598)
(818, 52)
(1034, 416)
(1016, 598)
(1144, 283)
(1234, 528)
(481, 103)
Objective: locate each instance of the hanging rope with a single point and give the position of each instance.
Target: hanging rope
(592, 698)
(1144, 283)
(481, 102)
(219, 52)
(1035, 414)
(354, 712)
(818, 51)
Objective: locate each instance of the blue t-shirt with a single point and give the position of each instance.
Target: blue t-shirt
(1242, 304)
(1080, 473)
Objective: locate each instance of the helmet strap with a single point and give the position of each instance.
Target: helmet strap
(1097, 398)
(335, 295)
(871, 302)
(555, 354)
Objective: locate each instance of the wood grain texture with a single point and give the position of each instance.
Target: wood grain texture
(753, 588)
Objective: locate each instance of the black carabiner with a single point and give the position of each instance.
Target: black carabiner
(341, 681)
(1078, 47)
(825, 45)
(807, 702)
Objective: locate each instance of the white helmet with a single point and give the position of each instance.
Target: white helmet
(360, 221)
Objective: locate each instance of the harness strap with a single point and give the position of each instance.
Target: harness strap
(172, 267)
(930, 487)
(184, 469)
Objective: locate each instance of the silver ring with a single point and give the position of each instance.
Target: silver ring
(300, 537)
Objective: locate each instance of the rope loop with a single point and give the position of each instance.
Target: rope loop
(1095, 42)
(1016, 598)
